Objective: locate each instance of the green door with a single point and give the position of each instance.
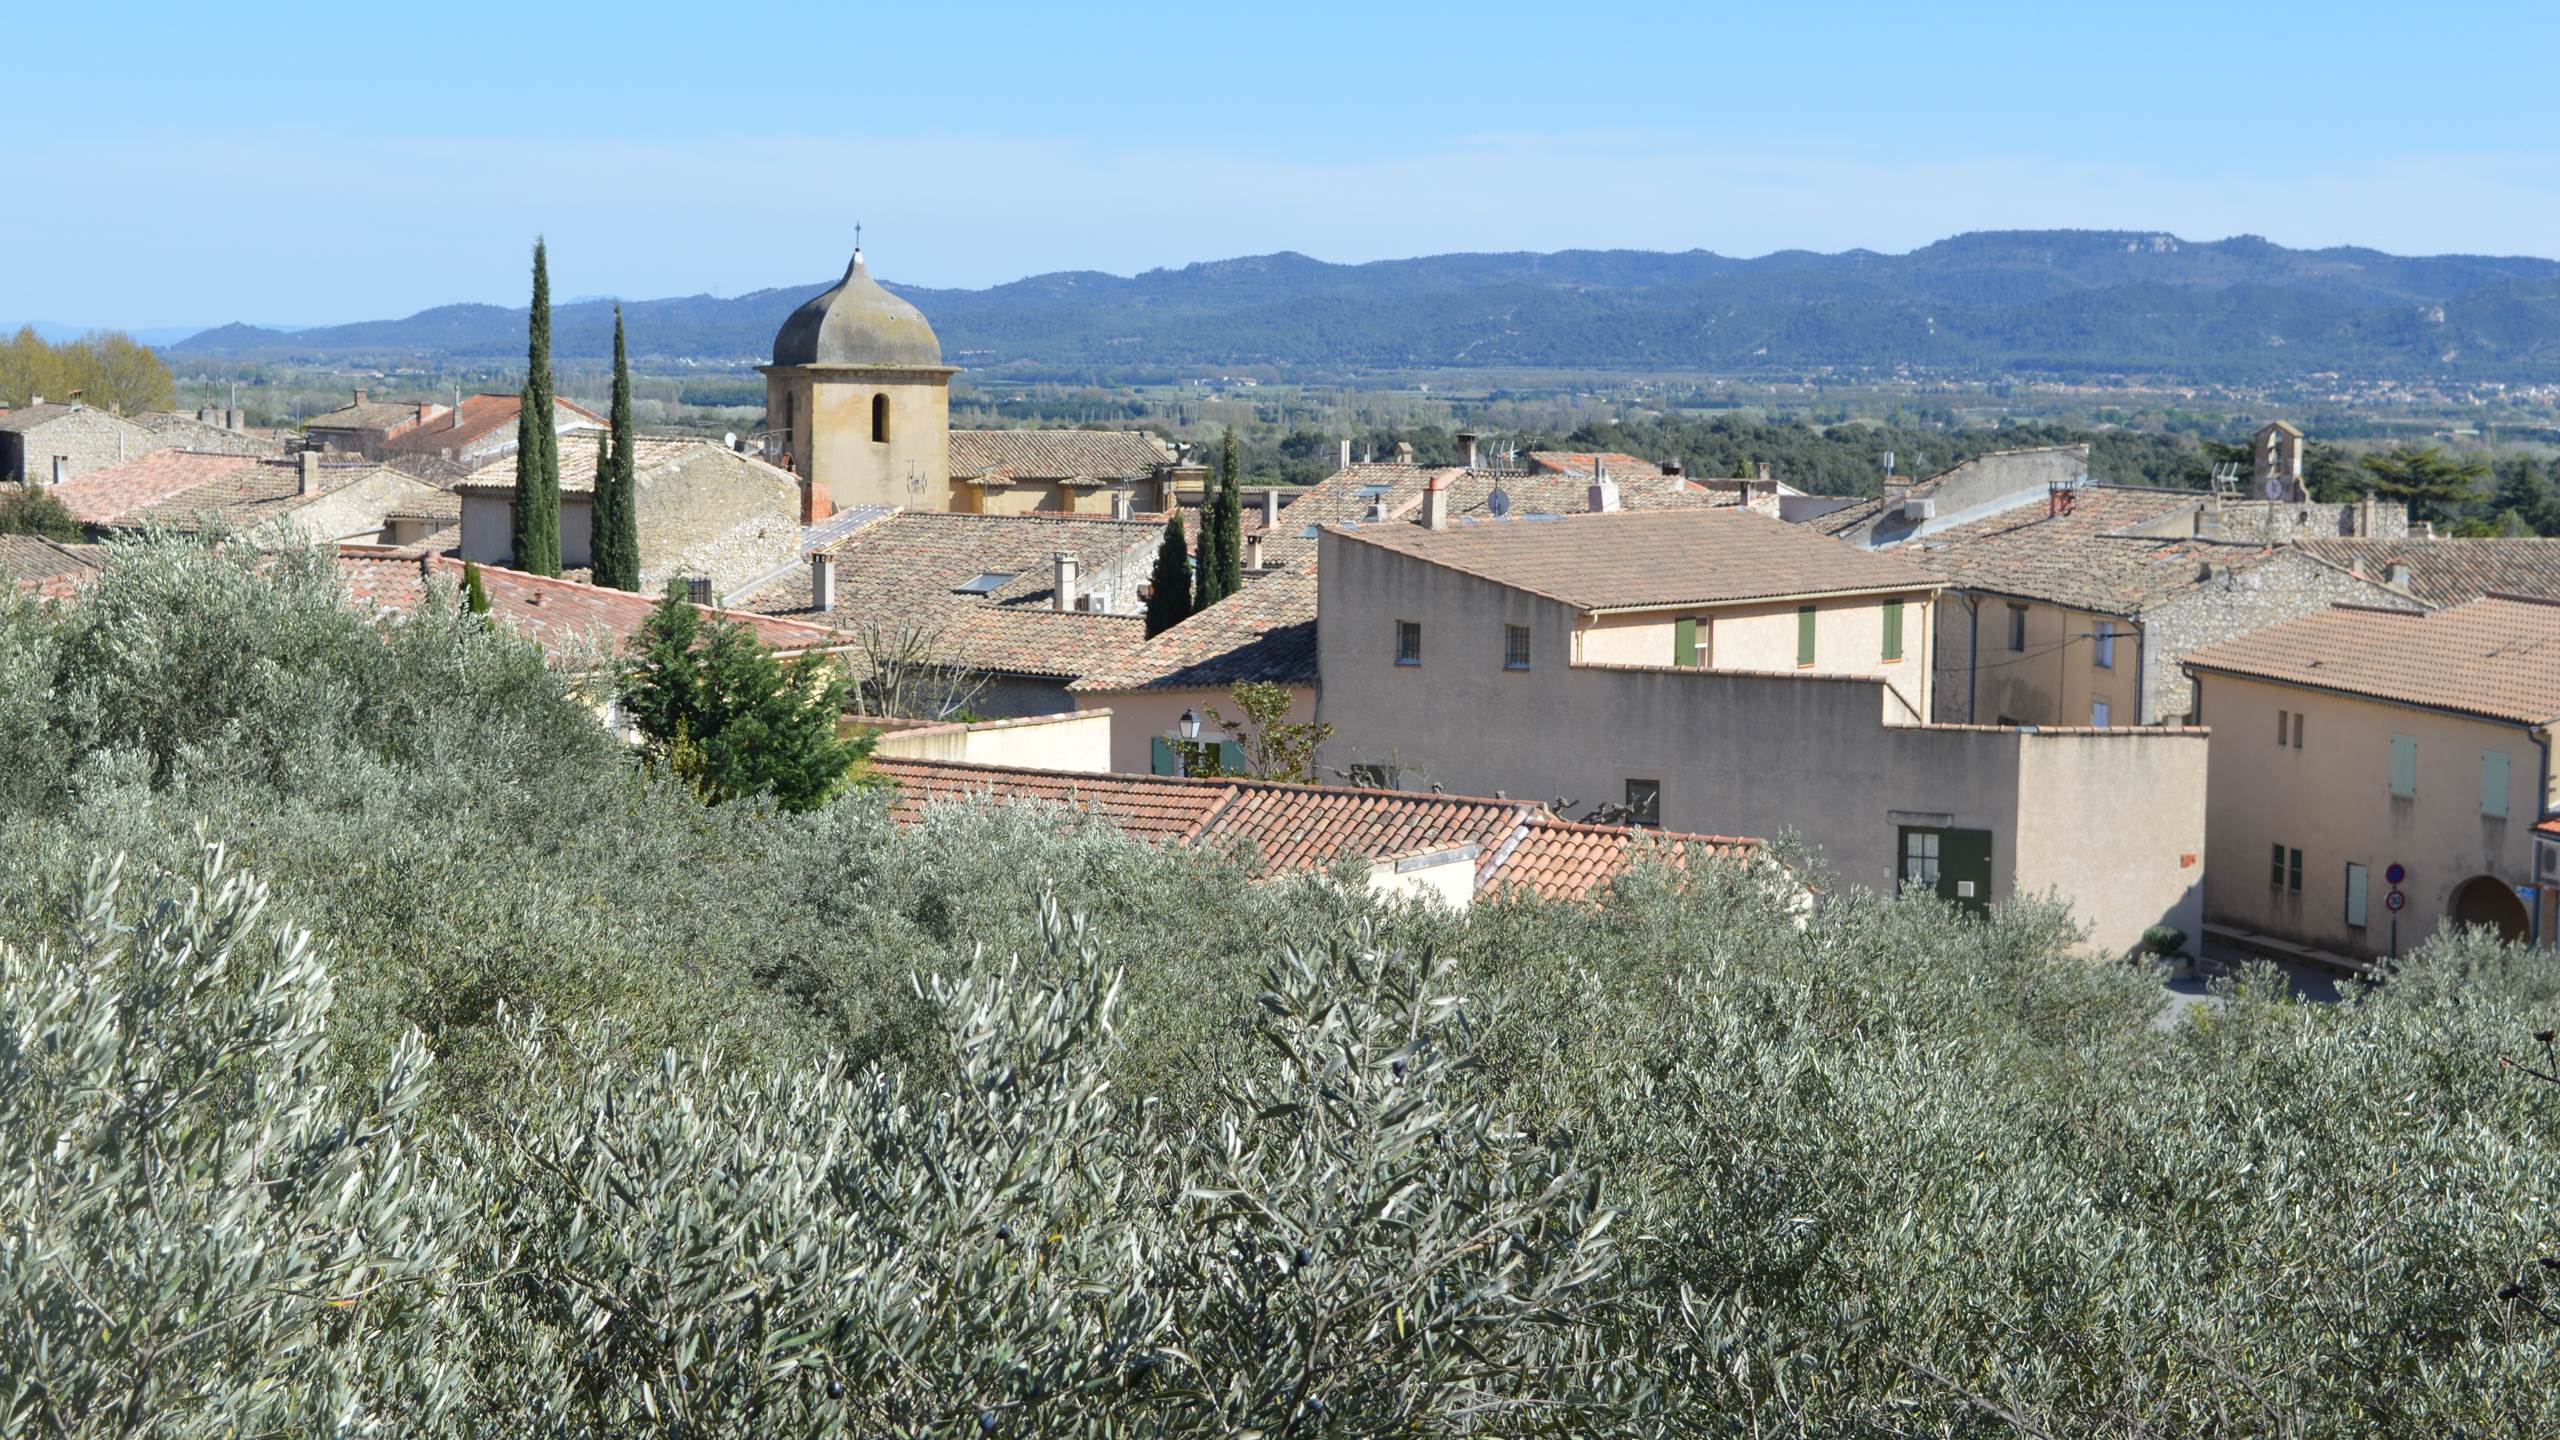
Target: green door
(1954, 864)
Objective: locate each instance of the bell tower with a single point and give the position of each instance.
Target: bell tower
(858, 397)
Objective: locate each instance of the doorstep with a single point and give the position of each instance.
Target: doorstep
(2277, 947)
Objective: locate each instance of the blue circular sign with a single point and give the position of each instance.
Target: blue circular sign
(2397, 873)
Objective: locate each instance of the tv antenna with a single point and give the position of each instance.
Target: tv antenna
(2226, 480)
(1888, 462)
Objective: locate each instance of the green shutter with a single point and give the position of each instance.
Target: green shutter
(2275, 868)
(1230, 757)
(1684, 642)
(2293, 871)
(2493, 783)
(1160, 756)
(1804, 634)
(1893, 631)
(2404, 765)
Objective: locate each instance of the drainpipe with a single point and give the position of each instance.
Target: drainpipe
(2141, 677)
(1972, 652)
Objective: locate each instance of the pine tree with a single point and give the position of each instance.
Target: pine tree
(2425, 477)
(475, 594)
(1169, 595)
(617, 518)
(537, 518)
(719, 712)
(1230, 519)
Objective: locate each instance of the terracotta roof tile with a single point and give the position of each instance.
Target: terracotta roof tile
(244, 496)
(568, 619)
(30, 560)
(1653, 560)
(480, 415)
(106, 495)
(1148, 807)
(2078, 558)
(1350, 496)
(578, 463)
(1264, 632)
(2496, 657)
(1568, 860)
(383, 415)
(1086, 455)
(2451, 571)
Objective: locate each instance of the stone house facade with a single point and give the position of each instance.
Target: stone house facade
(704, 510)
(42, 443)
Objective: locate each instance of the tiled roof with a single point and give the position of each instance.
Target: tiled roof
(917, 557)
(1283, 828)
(371, 415)
(191, 433)
(1569, 860)
(1090, 455)
(106, 495)
(29, 559)
(568, 619)
(1349, 496)
(2548, 827)
(1264, 632)
(443, 506)
(2496, 657)
(1849, 517)
(2077, 559)
(244, 496)
(1053, 644)
(28, 417)
(480, 414)
(578, 462)
(1576, 464)
(842, 523)
(2448, 572)
(1653, 560)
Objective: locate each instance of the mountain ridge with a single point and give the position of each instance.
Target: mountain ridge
(2067, 302)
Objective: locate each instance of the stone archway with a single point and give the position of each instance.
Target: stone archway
(2487, 900)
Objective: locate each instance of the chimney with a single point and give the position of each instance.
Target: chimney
(1604, 492)
(1062, 586)
(1404, 452)
(1253, 552)
(2396, 574)
(232, 420)
(814, 504)
(309, 460)
(1270, 507)
(2422, 529)
(822, 581)
(1467, 444)
(35, 400)
(207, 415)
(1377, 507)
(359, 397)
(1761, 470)
(1345, 465)
(1896, 489)
(1435, 501)
(457, 409)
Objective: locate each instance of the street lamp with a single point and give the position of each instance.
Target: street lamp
(1189, 726)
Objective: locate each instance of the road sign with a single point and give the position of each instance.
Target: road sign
(2394, 901)
(2396, 872)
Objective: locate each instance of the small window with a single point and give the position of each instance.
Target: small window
(2297, 729)
(2098, 714)
(2293, 871)
(1893, 631)
(880, 419)
(1691, 640)
(2357, 888)
(1515, 647)
(985, 582)
(2281, 717)
(2275, 866)
(2404, 766)
(1804, 635)
(1920, 858)
(1408, 642)
(2106, 651)
(1644, 802)
(2284, 869)
(2493, 783)
(2017, 627)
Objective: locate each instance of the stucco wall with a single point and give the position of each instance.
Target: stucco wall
(2332, 800)
(1742, 753)
(2052, 681)
(830, 433)
(1139, 717)
(1984, 485)
(1078, 741)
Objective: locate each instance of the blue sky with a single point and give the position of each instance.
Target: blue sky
(308, 163)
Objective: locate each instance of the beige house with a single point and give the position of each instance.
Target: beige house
(1550, 659)
(2351, 741)
(704, 510)
(1264, 633)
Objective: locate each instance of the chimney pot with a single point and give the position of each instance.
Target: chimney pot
(1604, 492)
(1761, 470)
(1345, 465)
(822, 581)
(1270, 508)
(1467, 444)
(2396, 573)
(1062, 588)
(359, 397)
(1404, 452)
(1253, 551)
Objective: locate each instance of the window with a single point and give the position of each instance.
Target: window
(1804, 635)
(1691, 640)
(1408, 642)
(2493, 783)
(985, 582)
(1644, 802)
(880, 419)
(2098, 714)
(2017, 627)
(2404, 766)
(2281, 717)
(2356, 891)
(2297, 729)
(2284, 869)
(2106, 652)
(1515, 647)
(1893, 631)
(1920, 858)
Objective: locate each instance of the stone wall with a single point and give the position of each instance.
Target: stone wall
(709, 510)
(92, 439)
(2236, 603)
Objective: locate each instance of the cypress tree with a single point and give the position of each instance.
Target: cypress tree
(1206, 570)
(617, 518)
(537, 518)
(1169, 596)
(1230, 519)
(475, 595)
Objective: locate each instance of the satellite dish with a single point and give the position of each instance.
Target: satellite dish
(730, 439)
(2274, 488)
(1498, 504)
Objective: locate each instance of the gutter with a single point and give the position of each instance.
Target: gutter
(1972, 652)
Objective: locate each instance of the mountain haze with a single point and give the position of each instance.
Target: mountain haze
(2052, 302)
